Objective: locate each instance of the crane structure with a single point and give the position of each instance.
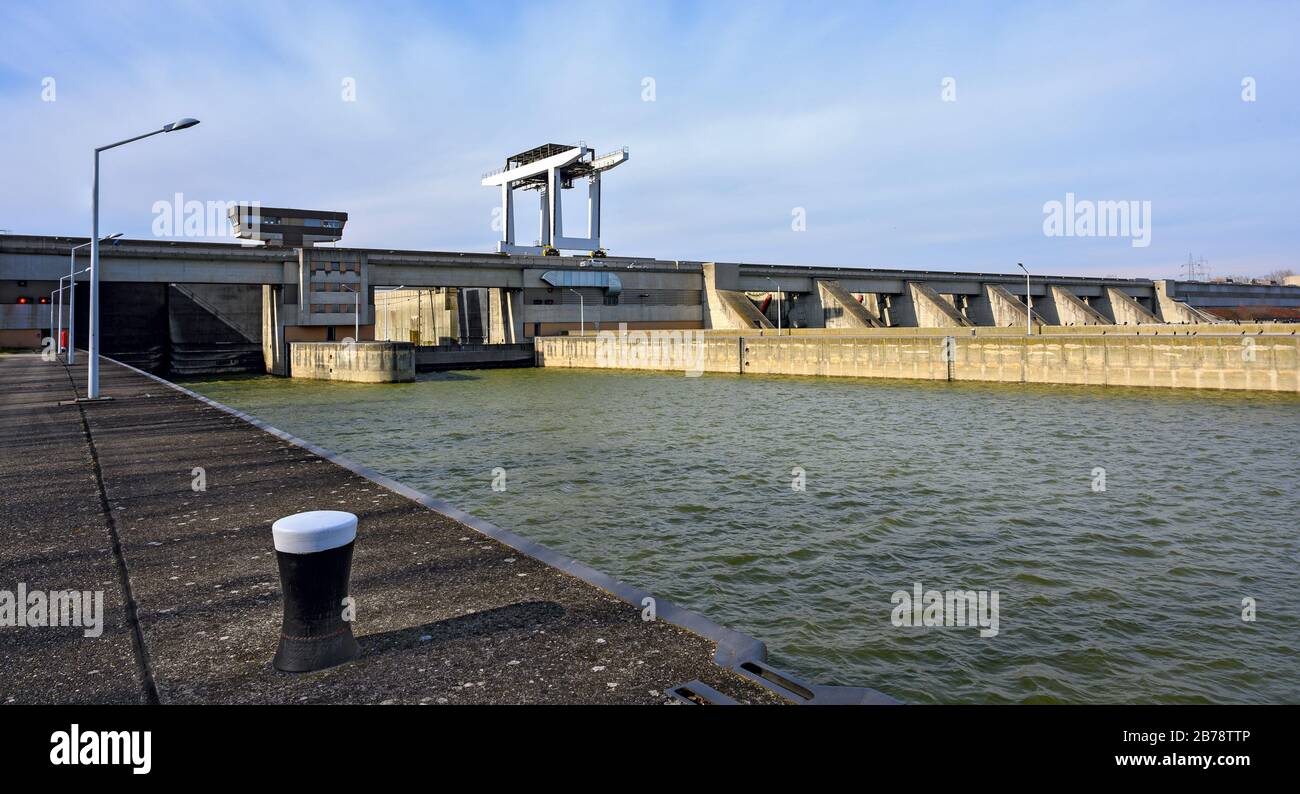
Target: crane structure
(548, 169)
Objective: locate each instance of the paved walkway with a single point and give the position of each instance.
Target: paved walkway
(444, 613)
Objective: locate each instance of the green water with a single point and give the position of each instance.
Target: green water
(684, 486)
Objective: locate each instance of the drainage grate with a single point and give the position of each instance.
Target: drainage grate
(698, 693)
(770, 676)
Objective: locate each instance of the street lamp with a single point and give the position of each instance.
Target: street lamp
(58, 330)
(384, 332)
(582, 331)
(72, 296)
(1029, 302)
(92, 370)
(778, 304)
(54, 329)
(356, 313)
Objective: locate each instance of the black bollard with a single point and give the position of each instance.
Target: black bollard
(314, 551)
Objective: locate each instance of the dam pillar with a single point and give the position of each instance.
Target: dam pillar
(505, 316)
(841, 310)
(1171, 310)
(932, 310)
(1065, 308)
(275, 350)
(878, 305)
(726, 307)
(1123, 309)
(997, 307)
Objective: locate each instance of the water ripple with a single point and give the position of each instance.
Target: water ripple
(690, 488)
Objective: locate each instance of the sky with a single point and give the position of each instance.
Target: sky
(900, 135)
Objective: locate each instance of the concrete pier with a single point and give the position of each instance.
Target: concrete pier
(358, 362)
(164, 502)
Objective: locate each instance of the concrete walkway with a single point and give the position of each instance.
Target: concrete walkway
(444, 613)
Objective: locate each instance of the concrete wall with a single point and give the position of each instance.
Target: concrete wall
(643, 350)
(1255, 363)
(25, 324)
(651, 298)
(21, 338)
(1215, 294)
(238, 306)
(1243, 329)
(445, 357)
(360, 362)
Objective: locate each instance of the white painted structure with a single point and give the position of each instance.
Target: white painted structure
(548, 169)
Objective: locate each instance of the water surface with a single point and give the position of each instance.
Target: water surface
(684, 486)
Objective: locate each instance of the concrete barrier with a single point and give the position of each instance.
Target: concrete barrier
(1260, 362)
(1156, 329)
(359, 362)
(434, 358)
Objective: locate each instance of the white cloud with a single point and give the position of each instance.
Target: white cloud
(759, 109)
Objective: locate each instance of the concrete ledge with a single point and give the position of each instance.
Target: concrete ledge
(358, 362)
(733, 651)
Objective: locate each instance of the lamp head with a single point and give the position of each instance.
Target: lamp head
(180, 125)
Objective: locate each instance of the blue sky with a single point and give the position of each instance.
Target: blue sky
(759, 109)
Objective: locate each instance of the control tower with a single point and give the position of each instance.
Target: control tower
(548, 169)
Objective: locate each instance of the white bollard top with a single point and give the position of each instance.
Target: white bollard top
(313, 531)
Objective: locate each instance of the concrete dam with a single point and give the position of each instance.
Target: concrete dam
(194, 308)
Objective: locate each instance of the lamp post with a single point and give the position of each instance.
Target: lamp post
(72, 297)
(71, 286)
(582, 331)
(356, 312)
(778, 303)
(56, 292)
(1029, 302)
(92, 369)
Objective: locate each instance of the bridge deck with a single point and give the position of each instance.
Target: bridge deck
(444, 613)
